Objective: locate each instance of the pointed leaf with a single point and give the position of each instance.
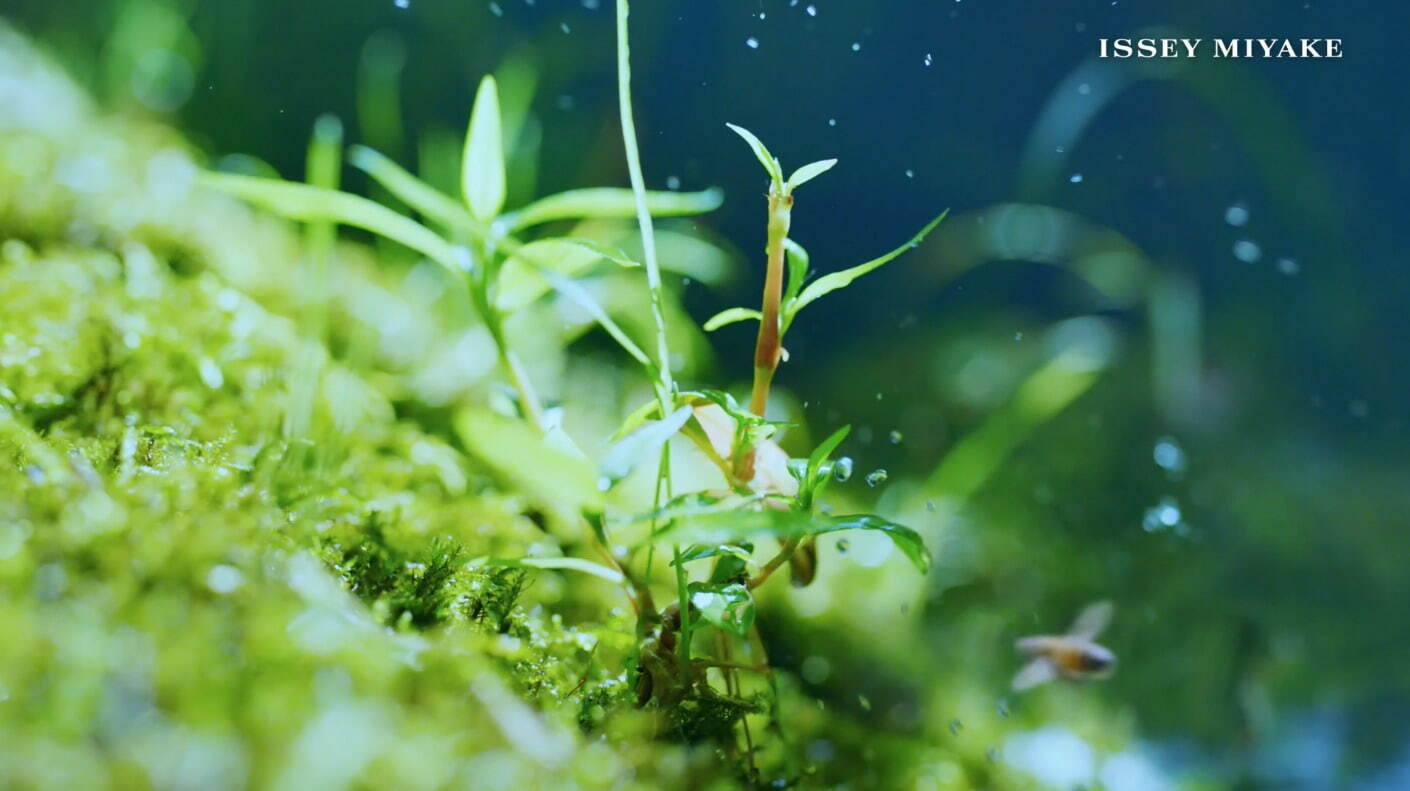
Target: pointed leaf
(432, 204)
(314, 204)
(612, 203)
(579, 295)
(564, 564)
(642, 444)
(905, 539)
(743, 551)
(520, 282)
(482, 169)
(824, 451)
(766, 159)
(724, 522)
(730, 316)
(834, 280)
(809, 172)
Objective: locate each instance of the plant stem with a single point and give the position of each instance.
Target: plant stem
(481, 272)
(666, 386)
(769, 568)
(768, 348)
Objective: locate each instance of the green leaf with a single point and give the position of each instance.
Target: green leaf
(642, 444)
(565, 564)
(743, 551)
(518, 453)
(809, 172)
(520, 282)
(797, 259)
(314, 204)
(433, 204)
(834, 280)
(769, 161)
(905, 539)
(730, 316)
(482, 169)
(579, 295)
(822, 453)
(723, 522)
(726, 606)
(612, 203)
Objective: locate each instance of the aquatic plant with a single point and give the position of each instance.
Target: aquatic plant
(767, 495)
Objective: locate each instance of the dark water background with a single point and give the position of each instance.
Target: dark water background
(1269, 638)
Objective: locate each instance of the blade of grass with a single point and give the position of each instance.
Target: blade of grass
(430, 202)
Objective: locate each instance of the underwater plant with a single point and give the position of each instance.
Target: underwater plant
(711, 621)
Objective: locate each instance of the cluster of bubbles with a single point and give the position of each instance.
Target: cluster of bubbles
(1166, 515)
(1248, 250)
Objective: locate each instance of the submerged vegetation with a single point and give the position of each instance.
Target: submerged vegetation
(408, 473)
(210, 483)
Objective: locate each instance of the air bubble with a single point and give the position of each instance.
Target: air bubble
(1169, 456)
(842, 469)
(876, 478)
(1248, 251)
(752, 43)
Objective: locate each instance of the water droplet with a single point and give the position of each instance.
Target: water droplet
(762, 15)
(842, 469)
(928, 59)
(1169, 456)
(876, 478)
(910, 174)
(856, 46)
(812, 10)
(563, 26)
(896, 437)
(496, 10)
(752, 42)
(673, 183)
(832, 122)
(842, 546)
(1247, 251)
(1076, 178)
(1288, 266)
(403, 4)
(1236, 215)
(1084, 88)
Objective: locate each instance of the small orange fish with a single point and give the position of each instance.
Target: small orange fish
(1073, 656)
